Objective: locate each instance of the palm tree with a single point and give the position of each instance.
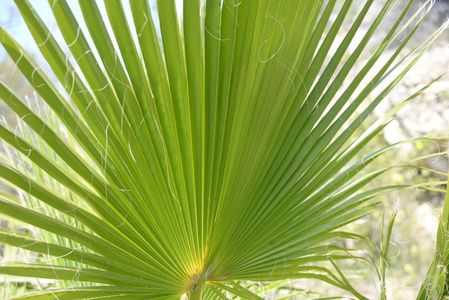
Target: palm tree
(193, 158)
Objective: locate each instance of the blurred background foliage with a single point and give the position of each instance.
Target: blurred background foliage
(413, 238)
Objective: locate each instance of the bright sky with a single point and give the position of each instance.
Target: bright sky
(10, 18)
(12, 21)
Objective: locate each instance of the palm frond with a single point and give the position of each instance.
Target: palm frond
(191, 156)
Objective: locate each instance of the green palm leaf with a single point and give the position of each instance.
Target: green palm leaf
(435, 285)
(191, 156)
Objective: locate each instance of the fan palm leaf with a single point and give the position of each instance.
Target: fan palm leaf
(189, 156)
(435, 285)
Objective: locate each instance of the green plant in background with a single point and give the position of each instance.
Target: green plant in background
(209, 159)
